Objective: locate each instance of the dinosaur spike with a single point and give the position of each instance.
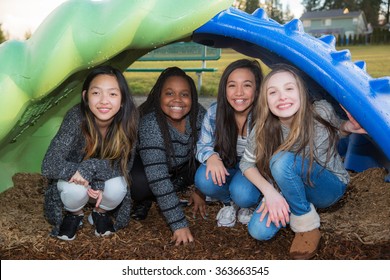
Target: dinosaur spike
(260, 13)
(381, 84)
(328, 39)
(294, 25)
(361, 64)
(341, 55)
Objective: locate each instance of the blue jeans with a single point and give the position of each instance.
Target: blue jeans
(237, 187)
(286, 170)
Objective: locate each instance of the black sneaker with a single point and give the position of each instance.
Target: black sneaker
(140, 210)
(102, 222)
(70, 224)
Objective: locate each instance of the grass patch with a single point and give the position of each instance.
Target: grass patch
(376, 57)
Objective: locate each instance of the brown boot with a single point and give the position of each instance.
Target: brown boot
(305, 244)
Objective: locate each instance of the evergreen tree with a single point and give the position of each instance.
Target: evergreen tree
(385, 10)
(251, 6)
(352, 5)
(311, 5)
(239, 4)
(371, 9)
(274, 10)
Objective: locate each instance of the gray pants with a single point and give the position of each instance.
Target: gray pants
(75, 197)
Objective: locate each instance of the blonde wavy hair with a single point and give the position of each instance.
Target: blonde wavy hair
(300, 140)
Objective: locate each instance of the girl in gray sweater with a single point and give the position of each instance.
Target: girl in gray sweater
(171, 118)
(90, 157)
(293, 146)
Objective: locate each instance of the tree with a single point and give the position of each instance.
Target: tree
(2, 35)
(311, 5)
(239, 4)
(352, 5)
(385, 10)
(273, 9)
(371, 9)
(251, 6)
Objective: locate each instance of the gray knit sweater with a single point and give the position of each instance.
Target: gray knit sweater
(152, 152)
(64, 157)
(321, 144)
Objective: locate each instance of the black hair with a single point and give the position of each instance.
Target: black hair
(152, 103)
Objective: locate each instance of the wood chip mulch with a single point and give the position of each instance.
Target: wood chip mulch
(357, 227)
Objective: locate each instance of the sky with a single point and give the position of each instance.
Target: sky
(19, 17)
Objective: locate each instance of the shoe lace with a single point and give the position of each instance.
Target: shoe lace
(245, 212)
(227, 211)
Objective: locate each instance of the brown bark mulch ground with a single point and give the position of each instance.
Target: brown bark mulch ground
(357, 227)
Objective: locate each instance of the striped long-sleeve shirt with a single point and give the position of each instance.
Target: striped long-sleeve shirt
(152, 151)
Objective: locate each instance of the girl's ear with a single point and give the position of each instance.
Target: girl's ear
(84, 93)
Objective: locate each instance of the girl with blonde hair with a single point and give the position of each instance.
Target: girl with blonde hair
(291, 157)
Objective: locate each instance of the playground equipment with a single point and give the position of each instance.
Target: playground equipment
(40, 79)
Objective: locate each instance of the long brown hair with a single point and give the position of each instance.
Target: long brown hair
(121, 135)
(226, 129)
(300, 140)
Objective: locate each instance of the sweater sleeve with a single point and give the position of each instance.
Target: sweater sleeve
(327, 112)
(65, 155)
(101, 170)
(152, 153)
(56, 163)
(97, 171)
(321, 142)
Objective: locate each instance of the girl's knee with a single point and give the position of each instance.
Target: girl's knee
(243, 192)
(259, 230)
(281, 163)
(244, 199)
(202, 183)
(115, 191)
(74, 197)
(261, 234)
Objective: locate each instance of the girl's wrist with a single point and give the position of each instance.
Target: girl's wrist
(199, 193)
(214, 156)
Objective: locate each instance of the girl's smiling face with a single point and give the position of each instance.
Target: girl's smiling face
(104, 98)
(176, 100)
(240, 90)
(283, 96)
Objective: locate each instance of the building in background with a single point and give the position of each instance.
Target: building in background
(337, 22)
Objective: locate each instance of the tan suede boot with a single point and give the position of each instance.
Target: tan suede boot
(305, 244)
(307, 235)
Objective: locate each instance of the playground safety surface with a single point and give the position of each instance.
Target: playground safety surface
(357, 227)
